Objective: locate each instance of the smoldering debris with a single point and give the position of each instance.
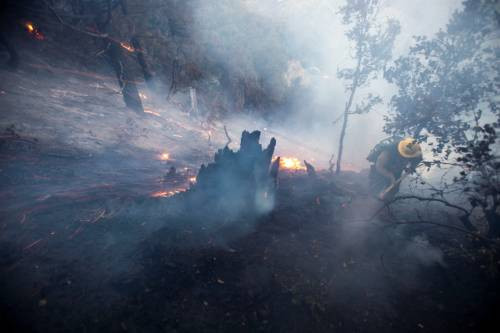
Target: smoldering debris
(425, 253)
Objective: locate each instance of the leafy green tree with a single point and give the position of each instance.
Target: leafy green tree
(448, 88)
(372, 43)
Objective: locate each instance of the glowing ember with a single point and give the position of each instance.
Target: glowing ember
(32, 30)
(127, 46)
(152, 112)
(166, 194)
(291, 163)
(32, 244)
(192, 180)
(164, 156)
(30, 27)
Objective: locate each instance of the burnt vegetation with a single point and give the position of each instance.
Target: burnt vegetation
(146, 182)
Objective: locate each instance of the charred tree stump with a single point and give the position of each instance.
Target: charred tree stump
(275, 168)
(239, 181)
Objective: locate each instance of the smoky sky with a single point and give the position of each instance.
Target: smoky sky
(317, 39)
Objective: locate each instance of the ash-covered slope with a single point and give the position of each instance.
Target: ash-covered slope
(114, 260)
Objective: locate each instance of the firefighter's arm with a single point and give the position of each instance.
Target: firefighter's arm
(381, 166)
(412, 166)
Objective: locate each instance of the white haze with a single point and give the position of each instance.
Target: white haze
(316, 28)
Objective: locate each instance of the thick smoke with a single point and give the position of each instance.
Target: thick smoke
(295, 49)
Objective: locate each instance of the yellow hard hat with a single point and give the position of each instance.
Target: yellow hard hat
(409, 148)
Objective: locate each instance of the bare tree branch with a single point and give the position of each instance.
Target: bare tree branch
(419, 198)
(464, 219)
(465, 231)
(90, 33)
(229, 140)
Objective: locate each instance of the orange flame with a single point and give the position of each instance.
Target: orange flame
(166, 194)
(291, 163)
(127, 46)
(164, 156)
(30, 27)
(32, 30)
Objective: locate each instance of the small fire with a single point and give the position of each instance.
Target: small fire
(127, 46)
(33, 30)
(166, 194)
(291, 163)
(192, 180)
(164, 156)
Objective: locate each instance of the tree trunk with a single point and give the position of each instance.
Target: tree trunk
(344, 127)
(341, 142)
(129, 89)
(115, 57)
(346, 113)
(148, 77)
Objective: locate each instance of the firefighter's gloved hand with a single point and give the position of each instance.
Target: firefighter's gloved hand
(410, 170)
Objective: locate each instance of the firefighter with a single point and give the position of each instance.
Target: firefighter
(390, 159)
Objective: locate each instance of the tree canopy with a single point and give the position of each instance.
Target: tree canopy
(445, 79)
(448, 94)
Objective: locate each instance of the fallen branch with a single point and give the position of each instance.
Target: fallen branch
(444, 202)
(465, 231)
(465, 220)
(18, 138)
(99, 216)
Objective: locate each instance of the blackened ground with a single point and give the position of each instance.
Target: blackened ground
(111, 258)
